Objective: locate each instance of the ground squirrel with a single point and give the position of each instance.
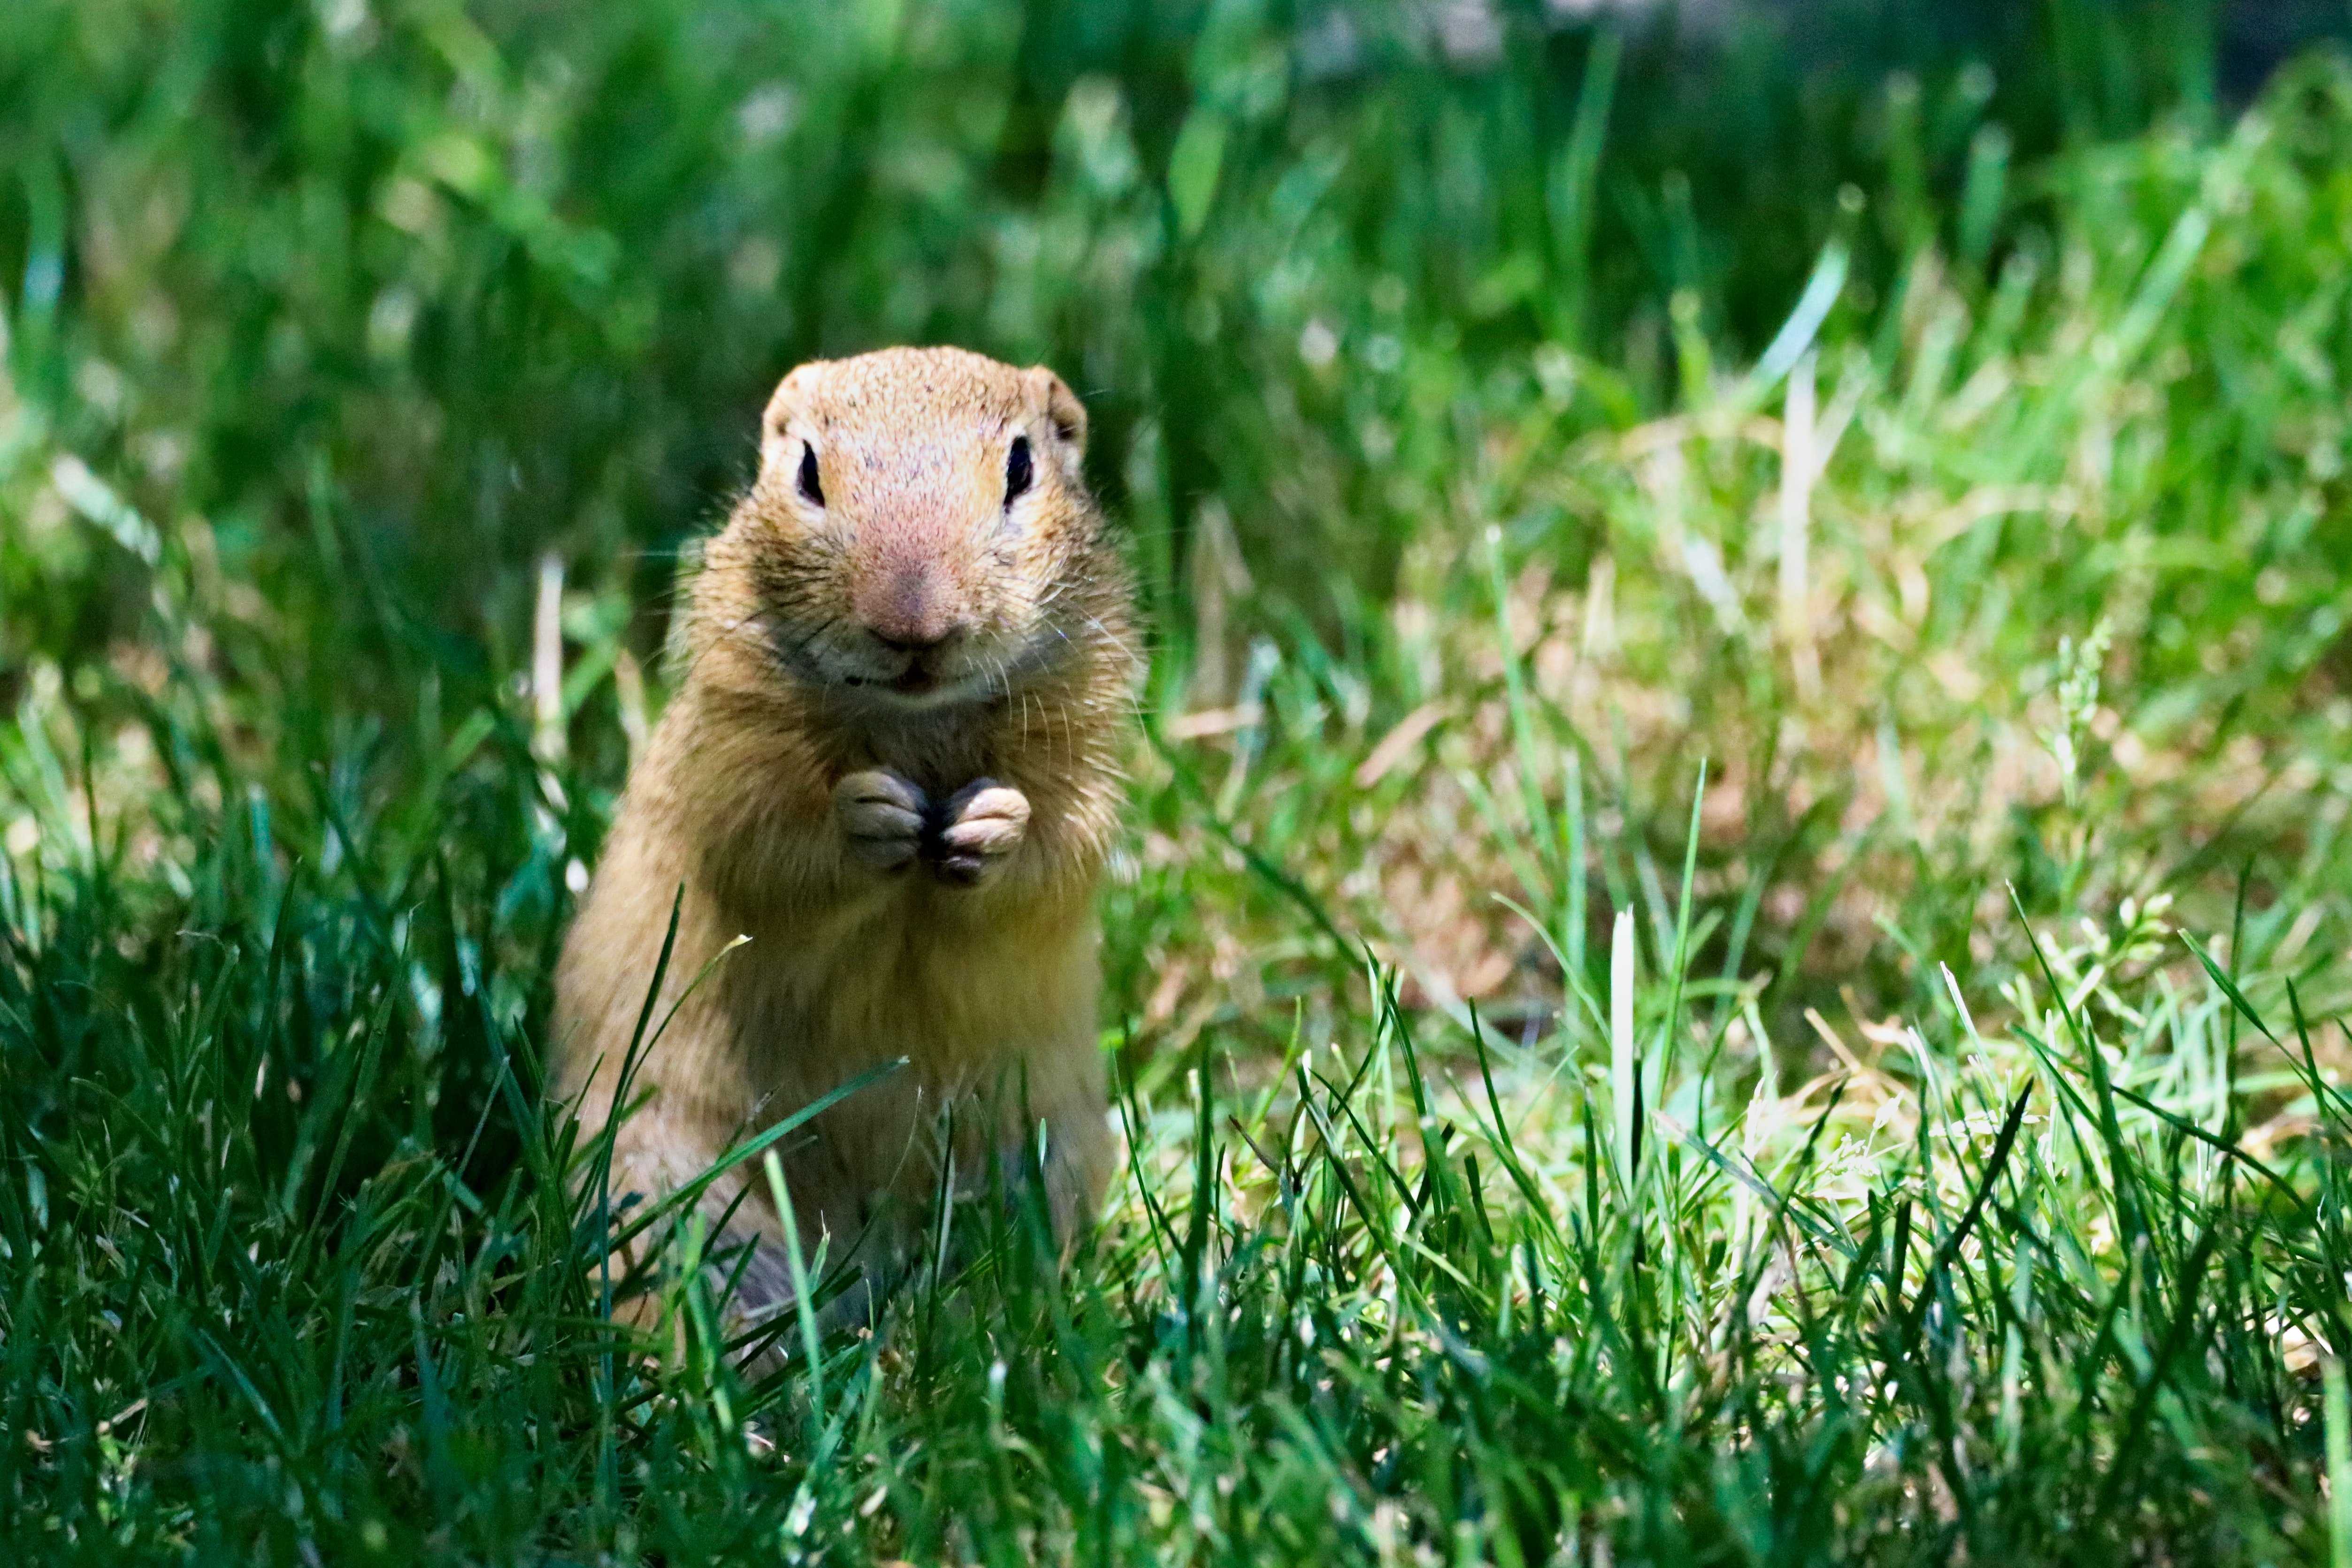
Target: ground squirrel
(892, 762)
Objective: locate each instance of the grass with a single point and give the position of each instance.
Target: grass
(1734, 944)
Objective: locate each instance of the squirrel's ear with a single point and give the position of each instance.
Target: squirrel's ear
(1052, 396)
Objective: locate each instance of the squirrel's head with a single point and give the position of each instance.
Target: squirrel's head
(920, 532)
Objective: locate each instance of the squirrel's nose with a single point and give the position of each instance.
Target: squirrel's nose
(911, 616)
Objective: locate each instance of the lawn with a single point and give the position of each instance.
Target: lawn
(1733, 942)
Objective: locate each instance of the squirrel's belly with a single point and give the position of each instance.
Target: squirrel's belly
(958, 1001)
(1004, 1018)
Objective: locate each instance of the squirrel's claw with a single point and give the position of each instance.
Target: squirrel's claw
(984, 822)
(889, 823)
(882, 815)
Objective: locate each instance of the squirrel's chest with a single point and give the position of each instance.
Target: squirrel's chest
(941, 755)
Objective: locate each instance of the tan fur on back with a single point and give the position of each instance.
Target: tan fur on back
(787, 691)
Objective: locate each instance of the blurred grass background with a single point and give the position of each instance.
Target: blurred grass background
(371, 308)
(490, 279)
(1932, 418)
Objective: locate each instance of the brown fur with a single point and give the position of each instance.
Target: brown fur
(810, 786)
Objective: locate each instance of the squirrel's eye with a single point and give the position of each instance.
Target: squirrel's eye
(809, 485)
(1017, 470)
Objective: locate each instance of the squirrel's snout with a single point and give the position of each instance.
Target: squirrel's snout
(908, 612)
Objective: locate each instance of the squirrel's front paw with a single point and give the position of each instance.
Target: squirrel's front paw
(882, 814)
(985, 822)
